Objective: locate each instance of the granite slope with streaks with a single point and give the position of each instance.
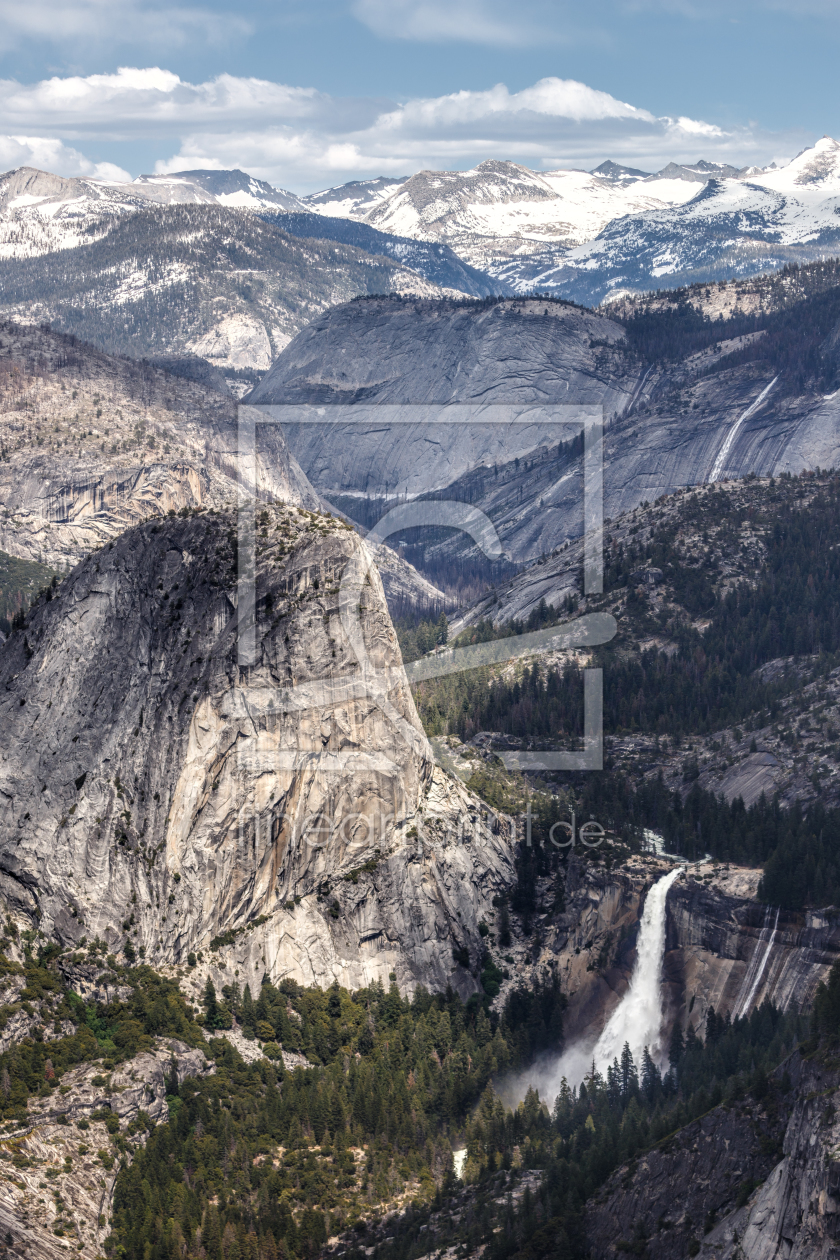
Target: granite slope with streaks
(668, 425)
(788, 1143)
(77, 1207)
(140, 758)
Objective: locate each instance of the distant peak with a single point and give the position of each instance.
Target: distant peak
(613, 170)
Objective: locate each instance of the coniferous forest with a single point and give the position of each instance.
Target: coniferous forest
(713, 676)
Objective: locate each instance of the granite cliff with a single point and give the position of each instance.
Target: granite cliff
(755, 1179)
(163, 790)
(723, 948)
(91, 444)
(671, 421)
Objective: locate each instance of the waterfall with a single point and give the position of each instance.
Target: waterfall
(757, 967)
(720, 462)
(637, 1019)
(752, 968)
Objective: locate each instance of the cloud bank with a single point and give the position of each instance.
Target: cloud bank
(300, 138)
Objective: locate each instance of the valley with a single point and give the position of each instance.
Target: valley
(292, 962)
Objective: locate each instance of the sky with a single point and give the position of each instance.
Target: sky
(310, 94)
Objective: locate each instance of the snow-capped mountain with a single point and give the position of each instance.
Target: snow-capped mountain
(586, 234)
(217, 282)
(731, 227)
(436, 263)
(221, 188)
(353, 200)
(501, 209)
(41, 212)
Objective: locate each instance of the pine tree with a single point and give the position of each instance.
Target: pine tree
(211, 1005)
(504, 926)
(651, 1078)
(676, 1048)
(334, 1002)
(249, 1016)
(629, 1074)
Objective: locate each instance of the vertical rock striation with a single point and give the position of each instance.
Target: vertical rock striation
(286, 813)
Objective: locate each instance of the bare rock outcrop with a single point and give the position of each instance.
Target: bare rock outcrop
(91, 444)
(723, 948)
(732, 953)
(57, 1175)
(662, 1202)
(669, 425)
(747, 1181)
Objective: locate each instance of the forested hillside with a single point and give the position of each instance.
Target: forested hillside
(163, 278)
(437, 263)
(791, 328)
(20, 583)
(724, 679)
(261, 1161)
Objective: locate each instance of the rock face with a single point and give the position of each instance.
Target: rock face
(76, 1209)
(93, 444)
(669, 426)
(140, 442)
(383, 351)
(732, 952)
(287, 803)
(592, 943)
(721, 949)
(692, 1182)
(797, 1211)
(663, 1201)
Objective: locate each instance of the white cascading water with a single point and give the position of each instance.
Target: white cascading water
(636, 1020)
(758, 965)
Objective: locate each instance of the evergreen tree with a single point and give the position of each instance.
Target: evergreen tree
(676, 1048)
(629, 1077)
(651, 1079)
(211, 1005)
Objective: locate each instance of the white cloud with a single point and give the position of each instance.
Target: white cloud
(302, 138)
(159, 101)
(50, 154)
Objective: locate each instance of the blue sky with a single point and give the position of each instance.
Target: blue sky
(311, 94)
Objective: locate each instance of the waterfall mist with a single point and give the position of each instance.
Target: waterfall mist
(636, 1020)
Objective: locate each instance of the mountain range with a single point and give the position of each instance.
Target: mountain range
(219, 266)
(194, 280)
(685, 399)
(585, 235)
(184, 267)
